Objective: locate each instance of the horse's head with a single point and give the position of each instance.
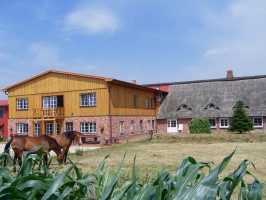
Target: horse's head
(77, 137)
(60, 158)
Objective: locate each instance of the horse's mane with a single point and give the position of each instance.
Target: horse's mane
(69, 134)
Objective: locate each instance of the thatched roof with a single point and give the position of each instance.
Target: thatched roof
(214, 98)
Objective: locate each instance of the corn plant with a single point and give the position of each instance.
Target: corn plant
(188, 182)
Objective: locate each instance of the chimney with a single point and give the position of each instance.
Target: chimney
(229, 74)
(134, 82)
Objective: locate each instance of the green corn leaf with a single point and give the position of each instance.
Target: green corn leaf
(131, 192)
(255, 190)
(147, 192)
(108, 192)
(243, 192)
(57, 182)
(14, 193)
(206, 187)
(121, 191)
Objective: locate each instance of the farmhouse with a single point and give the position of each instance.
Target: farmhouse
(55, 101)
(214, 99)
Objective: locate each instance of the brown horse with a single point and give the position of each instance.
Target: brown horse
(66, 139)
(26, 143)
(2, 131)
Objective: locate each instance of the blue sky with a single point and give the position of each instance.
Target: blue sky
(148, 40)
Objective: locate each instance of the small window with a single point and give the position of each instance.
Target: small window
(37, 129)
(148, 124)
(224, 123)
(88, 127)
(213, 122)
(152, 102)
(153, 124)
(132, 125)
(184, 107)
(88, 99)
(211, 106)
(258, 121)
(134, 101)
(69, 126)
(121, 126)
(22, 128)
(141, 125)
(49, 128)
(147, 102)
(22, 104)
(58, 128)
(1, 112)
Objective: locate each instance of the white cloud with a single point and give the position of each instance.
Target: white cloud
(235, 38)
(92, 20)
(217, 51)
(44, 55)
(3, 55)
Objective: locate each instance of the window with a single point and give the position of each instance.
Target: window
(213, 123)
(141, 125)
(69, 126)
(88, 99)
(22, 128)
(37, 129)
(152, 102)
(153, 124)
(211, 106)
(132, 125)
(1, 112)
(121, 126)
(171, 123)
(147, 102)
(49, 128)
(134, 101)
(58, 128)
(224, 123)
(52, 101)
(184, 107)
(22, 104)
(88, 127)
(148, 124)
(258, 121)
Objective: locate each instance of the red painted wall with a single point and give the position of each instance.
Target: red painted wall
(4, 118)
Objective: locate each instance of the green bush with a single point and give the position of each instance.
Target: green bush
(199, 125)
(188, 182)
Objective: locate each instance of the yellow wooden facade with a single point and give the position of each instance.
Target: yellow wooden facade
(113, 97)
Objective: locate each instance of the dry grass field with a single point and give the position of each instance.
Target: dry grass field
(168, 151)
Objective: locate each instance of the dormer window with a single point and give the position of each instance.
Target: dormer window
(212, 106)
(244, 106)
(184, 107)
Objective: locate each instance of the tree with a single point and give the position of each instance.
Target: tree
(241, 122)
(199, 125)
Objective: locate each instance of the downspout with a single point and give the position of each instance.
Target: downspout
(109, 110)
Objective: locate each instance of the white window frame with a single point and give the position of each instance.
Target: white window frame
(135, 101)
(49, 101)
(131, 125)
(152, 103)
(215, 122)
(147, 102)
(153, 124)
(69, 126)
(49, 128)
(223, 121)
(88, 99)
(22, 128)
(37, 129)
(22, 104)
(121, 127)
(141, 125)
(88, 127)
(254, 121)
(148, 124)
